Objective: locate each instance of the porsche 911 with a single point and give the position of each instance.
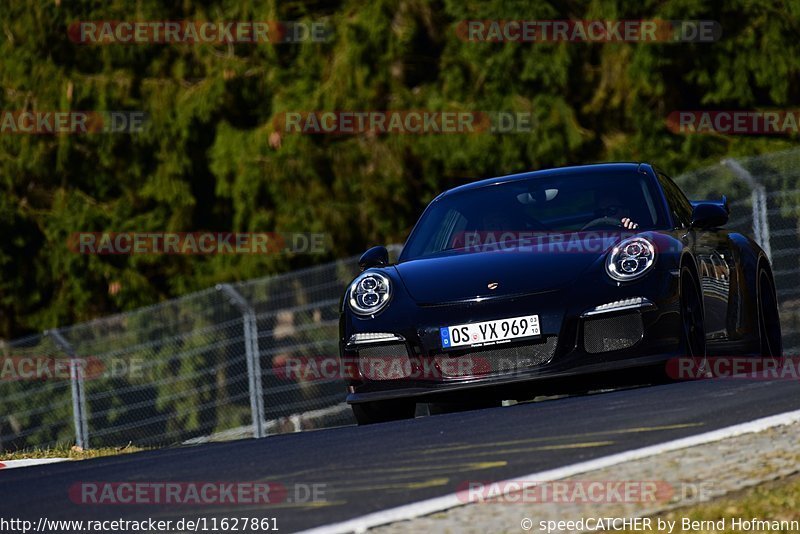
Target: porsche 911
(510, 283)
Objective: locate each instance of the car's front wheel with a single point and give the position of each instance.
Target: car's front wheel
(692, 324)
(693, 362)
(367, 413)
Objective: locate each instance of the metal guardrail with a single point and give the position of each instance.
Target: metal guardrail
(206, 366)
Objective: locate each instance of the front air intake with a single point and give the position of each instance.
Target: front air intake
(606, 334)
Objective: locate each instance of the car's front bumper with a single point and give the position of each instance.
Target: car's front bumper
(577, 339)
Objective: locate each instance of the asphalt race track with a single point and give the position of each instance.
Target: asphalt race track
(367, 469)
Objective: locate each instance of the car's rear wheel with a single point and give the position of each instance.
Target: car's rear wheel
(367, 413)
(769, 326)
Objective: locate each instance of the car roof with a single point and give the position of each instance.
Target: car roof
(596, 168)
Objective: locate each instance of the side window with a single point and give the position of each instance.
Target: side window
(679, 205)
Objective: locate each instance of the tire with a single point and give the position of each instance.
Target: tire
(438, 408)
(367, 413)
(693, 332)
(769, 325)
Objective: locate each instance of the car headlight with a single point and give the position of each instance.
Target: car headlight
(631, 259)
(369, 293)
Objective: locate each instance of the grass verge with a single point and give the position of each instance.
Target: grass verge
(772, 501)
(67, 451)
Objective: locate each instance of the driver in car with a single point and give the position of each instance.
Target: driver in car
(611, 206)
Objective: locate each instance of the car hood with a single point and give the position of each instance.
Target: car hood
(466, 275)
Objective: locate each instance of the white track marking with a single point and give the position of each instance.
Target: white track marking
(445, 502)
(11, 464)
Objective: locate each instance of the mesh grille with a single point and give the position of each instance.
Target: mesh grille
(497, 360)
(605, 334)
(384, 362)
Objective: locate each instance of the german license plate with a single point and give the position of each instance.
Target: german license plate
(489, 332)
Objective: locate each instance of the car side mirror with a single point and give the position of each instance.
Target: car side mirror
(709, 214)
(374, 257)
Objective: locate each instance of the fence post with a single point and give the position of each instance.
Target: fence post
(79, 415)
(760, 220)
(252, 356)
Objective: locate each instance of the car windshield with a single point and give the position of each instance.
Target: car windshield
(561, 203)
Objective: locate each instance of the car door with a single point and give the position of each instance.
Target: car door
(715, 263)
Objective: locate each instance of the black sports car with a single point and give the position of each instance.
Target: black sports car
(551, 274)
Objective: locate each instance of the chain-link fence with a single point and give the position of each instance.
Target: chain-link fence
(767, 189)
(209, 365)
(184, 370)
